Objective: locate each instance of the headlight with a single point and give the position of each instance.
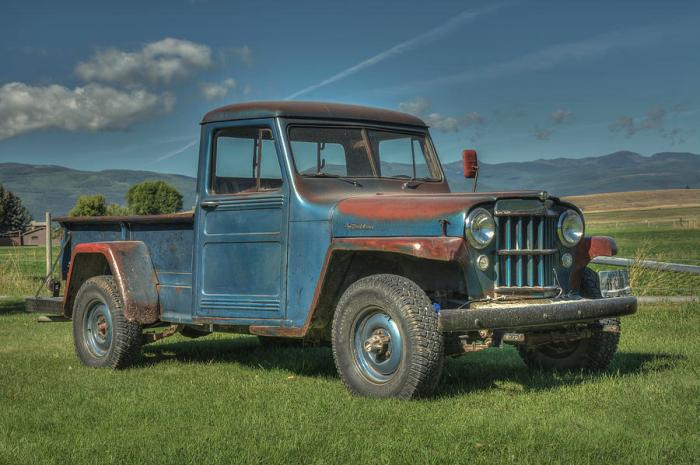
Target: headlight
(570, 228)
(480, 228)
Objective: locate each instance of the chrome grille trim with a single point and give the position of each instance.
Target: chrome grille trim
(526, 252)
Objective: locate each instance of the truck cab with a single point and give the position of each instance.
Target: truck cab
(334, 224)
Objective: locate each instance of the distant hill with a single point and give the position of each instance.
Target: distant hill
(616, 172)
(56, 188)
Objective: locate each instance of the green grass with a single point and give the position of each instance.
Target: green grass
(23, 269)
(225, 399)
(660, 240)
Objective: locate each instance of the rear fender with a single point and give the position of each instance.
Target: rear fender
(129, 262)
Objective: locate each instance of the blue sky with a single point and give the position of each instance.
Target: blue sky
(97, 85)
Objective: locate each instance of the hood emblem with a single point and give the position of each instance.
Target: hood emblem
(361, 226)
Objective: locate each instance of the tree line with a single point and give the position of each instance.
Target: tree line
(145, 198)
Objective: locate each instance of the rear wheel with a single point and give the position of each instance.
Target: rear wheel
(386, 341)
(102, 335)
(593, 353)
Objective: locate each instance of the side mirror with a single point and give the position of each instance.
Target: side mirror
(471, 164)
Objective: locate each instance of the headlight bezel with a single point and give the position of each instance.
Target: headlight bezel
(469, 222)
(563, 238)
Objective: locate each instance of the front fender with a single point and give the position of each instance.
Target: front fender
(129, 263)
(589, 248)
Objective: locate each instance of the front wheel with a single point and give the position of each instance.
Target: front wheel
(102, 335)
(592, 354)
(386, 341)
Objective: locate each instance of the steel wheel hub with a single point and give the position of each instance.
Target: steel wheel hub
(97, 329)
(378, 345)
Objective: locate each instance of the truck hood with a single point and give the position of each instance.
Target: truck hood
(411, 215)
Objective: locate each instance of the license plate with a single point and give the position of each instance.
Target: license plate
(614, 283)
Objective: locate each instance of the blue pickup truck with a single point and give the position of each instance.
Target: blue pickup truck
(334, 224)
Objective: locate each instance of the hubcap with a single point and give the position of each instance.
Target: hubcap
(378, 346)
(97, 329)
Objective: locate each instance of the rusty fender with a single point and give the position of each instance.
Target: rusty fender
(432, 248)
(130, 265)
(589, 248)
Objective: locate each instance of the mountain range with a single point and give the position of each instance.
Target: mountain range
(56, 188)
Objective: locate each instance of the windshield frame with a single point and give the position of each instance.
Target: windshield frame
(431, 156)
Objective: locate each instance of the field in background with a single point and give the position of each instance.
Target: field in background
(22, 270)
(637, 200)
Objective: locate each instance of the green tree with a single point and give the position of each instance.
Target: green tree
(153, 198)
(90, 205)
(114, 209)
(13, 215)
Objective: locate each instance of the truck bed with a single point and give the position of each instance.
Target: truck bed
(169, 239)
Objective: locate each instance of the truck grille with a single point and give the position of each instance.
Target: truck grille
(526, 254)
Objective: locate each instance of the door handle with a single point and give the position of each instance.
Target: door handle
(208, 204)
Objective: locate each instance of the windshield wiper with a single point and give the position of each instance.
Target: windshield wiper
(321, 175)
(412, 182)
(331, 175)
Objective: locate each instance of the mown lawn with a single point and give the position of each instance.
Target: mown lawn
(225, 399)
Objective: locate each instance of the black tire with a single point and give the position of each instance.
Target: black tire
(119, 348)
(590, 354)
(404, 306)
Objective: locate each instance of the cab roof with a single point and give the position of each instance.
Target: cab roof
(310, 110)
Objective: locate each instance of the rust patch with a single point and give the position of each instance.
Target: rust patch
(132, 270)
(432, 248)
(589, 248)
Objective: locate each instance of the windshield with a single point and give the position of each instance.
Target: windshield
(359, 152)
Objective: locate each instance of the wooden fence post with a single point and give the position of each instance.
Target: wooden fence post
(49, 246)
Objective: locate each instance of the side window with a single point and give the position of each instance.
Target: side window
(245, 160)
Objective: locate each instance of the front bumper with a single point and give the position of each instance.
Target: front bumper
(531, 314)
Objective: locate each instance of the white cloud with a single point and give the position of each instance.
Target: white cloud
(217, 90)
(417, 107)
(654, 120)
(474, 119)
(92, 107)
(159, 62)
(561, 116)
(541, 133)
(421, 106)
(442, 123)
(245, 54)
(428, 36)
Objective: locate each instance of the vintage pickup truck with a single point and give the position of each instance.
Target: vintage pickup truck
(334, 224)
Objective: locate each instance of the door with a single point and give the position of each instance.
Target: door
(241, 244)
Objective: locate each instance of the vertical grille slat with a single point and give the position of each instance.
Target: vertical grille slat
(518, 266)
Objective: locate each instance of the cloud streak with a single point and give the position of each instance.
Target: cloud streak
(538, 60)
(176, 152)
(398, 49)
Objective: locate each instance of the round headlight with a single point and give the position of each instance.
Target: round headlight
(480, 228)
(570, 228)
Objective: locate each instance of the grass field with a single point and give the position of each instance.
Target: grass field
(226, 399)
(637, 200)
